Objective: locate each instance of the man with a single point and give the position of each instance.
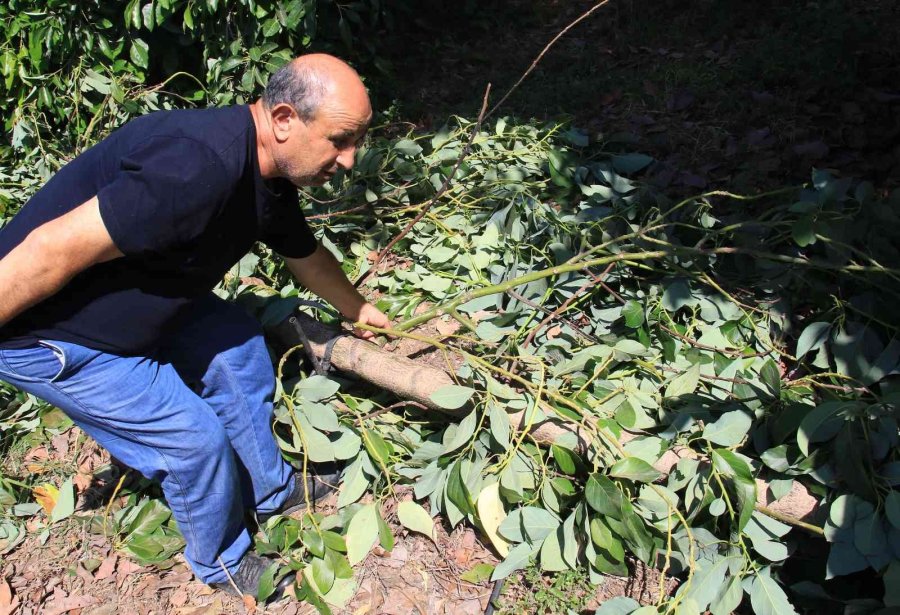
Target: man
(106, 309)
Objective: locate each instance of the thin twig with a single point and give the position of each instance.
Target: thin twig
(541, 55)
(558, 311)
(387, 249)
(386, 409)
(541, 308)
(731, 352)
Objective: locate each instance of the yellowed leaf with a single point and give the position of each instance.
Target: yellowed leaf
(47, 496)
(491, 514)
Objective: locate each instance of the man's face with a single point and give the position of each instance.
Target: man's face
(318, 147)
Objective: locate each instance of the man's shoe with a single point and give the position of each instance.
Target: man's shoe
(249, 572)
(321, 480)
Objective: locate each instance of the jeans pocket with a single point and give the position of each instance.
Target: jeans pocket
(40, 362)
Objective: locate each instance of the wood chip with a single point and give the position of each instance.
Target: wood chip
(67, 604)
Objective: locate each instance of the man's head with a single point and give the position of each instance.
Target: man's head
(316, 112)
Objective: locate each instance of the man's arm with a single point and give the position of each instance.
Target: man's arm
(322, 274)
(51, 255)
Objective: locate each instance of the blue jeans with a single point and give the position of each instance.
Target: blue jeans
(196, 416)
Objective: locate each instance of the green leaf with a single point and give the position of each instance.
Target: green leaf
(822, 423)
(415, 518)
(767, 598)
(634, 468)
(635, 533)
(322, 417)
(307, 593)
(771, 377)
(452, 396)
(457, 492)
(377, 447)
(266, 586)
(566, 459)
(339, 564)
(529, 523)
(518, 558)
(500, 425)
(677, 295)
(140, 53)
(317, 445)
(151, 515)
(314, 541)
(844, 558)
(385, 535)
(317, 388)
(732, 466)
(631, 347)
(684, 384)
(729, 598)
(604, 496)
(323, 575)
(408, 147)
(729, 429)
(188, 17)
(65, 503)
(146, 549)
(603, 537)
(803, 231)
(620, 605)
(633, 313)
(708, 581)
(892, 508)
(463, 433)
(551, 553)
(354, 485)
(133, 14)
(479, 573)
(813, 337)
(362, 532)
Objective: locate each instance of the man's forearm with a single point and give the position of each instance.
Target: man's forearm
(26, 280)
(50, 256)
(322, 274)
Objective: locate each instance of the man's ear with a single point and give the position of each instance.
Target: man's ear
(283, 119)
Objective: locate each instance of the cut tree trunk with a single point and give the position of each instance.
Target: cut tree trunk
(416, 382)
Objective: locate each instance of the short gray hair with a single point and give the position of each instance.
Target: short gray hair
(300, 86)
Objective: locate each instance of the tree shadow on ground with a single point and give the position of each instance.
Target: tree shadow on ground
(725, 93)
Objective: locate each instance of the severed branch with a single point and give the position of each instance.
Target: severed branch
(543, 52)
(465, 151)
(416, 381)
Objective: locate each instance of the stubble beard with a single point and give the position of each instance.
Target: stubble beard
(293, 173)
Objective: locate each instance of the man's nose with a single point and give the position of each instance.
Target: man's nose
(347, 157)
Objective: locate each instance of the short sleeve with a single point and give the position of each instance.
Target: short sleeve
(164, 195)
(285, 228)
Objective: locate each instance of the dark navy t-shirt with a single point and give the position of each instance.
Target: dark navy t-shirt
(181, 195)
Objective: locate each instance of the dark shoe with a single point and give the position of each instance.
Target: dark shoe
(321, 480)
(249, 572)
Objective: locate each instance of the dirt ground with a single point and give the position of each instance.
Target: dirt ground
(78, 571)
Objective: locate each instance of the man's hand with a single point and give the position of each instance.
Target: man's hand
(372, 316)
(322, 274)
